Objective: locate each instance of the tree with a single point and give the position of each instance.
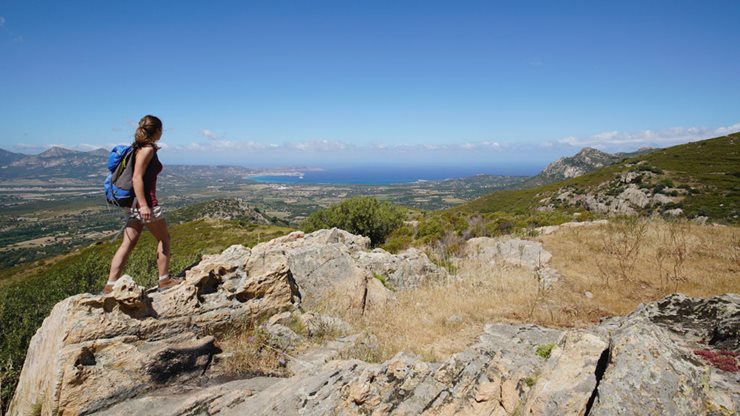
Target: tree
(362, 215)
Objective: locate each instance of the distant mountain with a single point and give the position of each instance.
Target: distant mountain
(7, 157)
(698, 179)
(56, 151)
(58, 165)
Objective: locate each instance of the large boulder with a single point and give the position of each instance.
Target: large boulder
(327, 263)
(656, 359)
(529, 254)
(94, 351)
(406, 270)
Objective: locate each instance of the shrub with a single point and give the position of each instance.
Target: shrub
(397, 242)
(382, 279)
(649, 168)
(430, 229)
(659, 188)
(359, 215)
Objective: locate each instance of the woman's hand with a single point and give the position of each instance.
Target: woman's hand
(145, 213)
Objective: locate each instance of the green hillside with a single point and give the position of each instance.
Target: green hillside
(27, 298)
(703, 177)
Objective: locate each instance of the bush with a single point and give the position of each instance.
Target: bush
(400, 239)
(359, 215)
(430, 229)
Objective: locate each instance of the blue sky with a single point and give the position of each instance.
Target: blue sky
(319, 83)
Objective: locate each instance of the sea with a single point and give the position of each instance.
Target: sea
(391, 175)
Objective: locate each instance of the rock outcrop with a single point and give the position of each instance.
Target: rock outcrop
(144, 352)
(514, 251)
(94, 351)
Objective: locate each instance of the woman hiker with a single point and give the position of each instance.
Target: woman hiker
(146, 211)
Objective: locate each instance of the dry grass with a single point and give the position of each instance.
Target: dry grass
(250, 352)
(673, 257)
(435, 321)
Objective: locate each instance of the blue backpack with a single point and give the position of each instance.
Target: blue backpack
(119, 186)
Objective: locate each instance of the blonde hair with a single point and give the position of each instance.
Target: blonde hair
(149, 125)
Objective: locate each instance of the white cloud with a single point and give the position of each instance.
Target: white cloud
(86, 147)
(322, 145)
(2, 21)
(208, 134)
(660, 138)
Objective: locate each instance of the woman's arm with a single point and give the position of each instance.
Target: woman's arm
(143, 157)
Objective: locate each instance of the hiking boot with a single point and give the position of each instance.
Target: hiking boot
(107, 289)
(168, 283)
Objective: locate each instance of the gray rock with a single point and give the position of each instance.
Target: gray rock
(319, 325)
(525, 253)
(282, 337)
(661, 199)
(568, 380)
(652, 364)
(675, 212)
(515, 251)
(406, 270)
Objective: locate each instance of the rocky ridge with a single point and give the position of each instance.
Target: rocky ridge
(629, 193)
(586, 160)
(144, 352)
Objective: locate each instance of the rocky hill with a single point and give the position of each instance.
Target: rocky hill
(698, 179)
(139, 351)
(56, 163)
(222, 209)
(587, 160)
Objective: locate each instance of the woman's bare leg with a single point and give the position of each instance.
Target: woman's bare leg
(131, 235)
(161, 233)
